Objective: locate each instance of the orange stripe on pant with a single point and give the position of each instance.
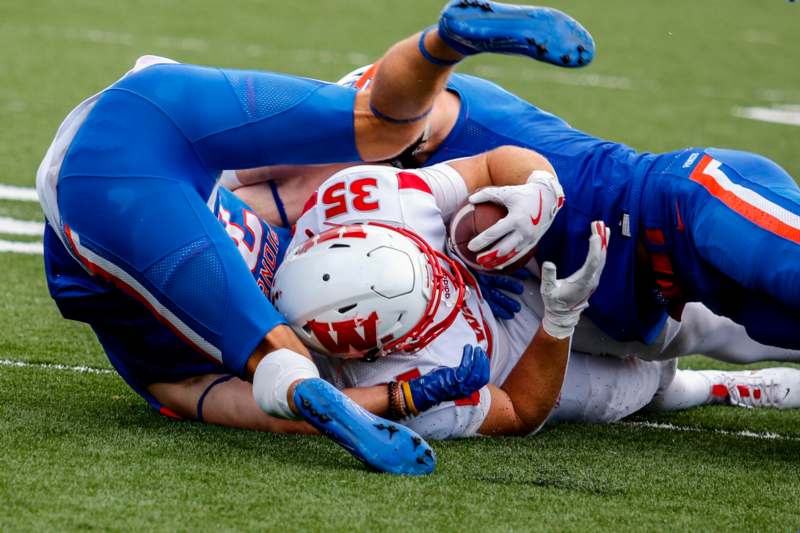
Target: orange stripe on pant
(757, 216)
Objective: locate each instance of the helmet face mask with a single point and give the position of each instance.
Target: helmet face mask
(367, 290)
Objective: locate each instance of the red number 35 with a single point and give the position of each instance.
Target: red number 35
(336, 197)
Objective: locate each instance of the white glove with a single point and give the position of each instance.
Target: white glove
(565, 299)
(531, 210)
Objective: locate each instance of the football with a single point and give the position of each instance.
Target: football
(469, 221)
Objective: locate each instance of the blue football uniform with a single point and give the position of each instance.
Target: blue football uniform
(140, 346)
(129, 186)
(717, 226)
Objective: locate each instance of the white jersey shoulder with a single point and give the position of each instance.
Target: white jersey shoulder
(378, 193)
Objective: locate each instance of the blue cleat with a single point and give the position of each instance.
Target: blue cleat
(380, 444)
(545, 34)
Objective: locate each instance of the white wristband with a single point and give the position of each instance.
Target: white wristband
(551, 181)
(273, 377)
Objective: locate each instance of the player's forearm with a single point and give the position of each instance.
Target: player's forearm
(534, 384)
(531, 390)
(373, 399)
(231, 403)
(512, 165)
(315, 173)
(225, 403)
(506, 165)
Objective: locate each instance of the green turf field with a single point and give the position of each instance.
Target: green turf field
(79, 450)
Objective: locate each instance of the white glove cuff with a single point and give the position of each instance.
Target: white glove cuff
(560, 326)
(273, 377)
(549, 180)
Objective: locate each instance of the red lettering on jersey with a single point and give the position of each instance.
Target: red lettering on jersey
(335, 197)
(361, 200)
(348, 339)
(480, 335)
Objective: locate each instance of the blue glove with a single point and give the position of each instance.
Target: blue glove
(492, 286)
(448, 384)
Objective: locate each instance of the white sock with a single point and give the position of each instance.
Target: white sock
(689, 388)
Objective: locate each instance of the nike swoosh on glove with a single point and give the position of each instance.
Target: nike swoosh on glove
(531, 210)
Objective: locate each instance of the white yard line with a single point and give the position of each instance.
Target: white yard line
(50, 366)
(18, 247)
(747, 434)
(788, 114)
(12, 226)
(23, 194)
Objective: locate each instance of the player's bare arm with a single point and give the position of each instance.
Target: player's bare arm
(529, 394)
(230, 403)
(294, 184)
(226, 400)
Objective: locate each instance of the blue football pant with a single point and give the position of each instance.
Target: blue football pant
(730, 222)
(134, 184)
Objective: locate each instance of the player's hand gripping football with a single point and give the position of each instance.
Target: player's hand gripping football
(448, 384)
(565, 299)
(531, 210)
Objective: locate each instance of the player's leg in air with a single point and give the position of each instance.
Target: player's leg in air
(723, 228)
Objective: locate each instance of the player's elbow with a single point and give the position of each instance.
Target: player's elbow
(532, 421)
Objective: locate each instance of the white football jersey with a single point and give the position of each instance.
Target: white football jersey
(405, 198)
(596, 388)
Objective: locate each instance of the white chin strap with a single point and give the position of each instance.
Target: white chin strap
(273, 377)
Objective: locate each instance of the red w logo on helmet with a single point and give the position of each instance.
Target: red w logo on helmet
(348, 339)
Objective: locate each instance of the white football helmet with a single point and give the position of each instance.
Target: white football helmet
(356, 79)
(366, 290)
